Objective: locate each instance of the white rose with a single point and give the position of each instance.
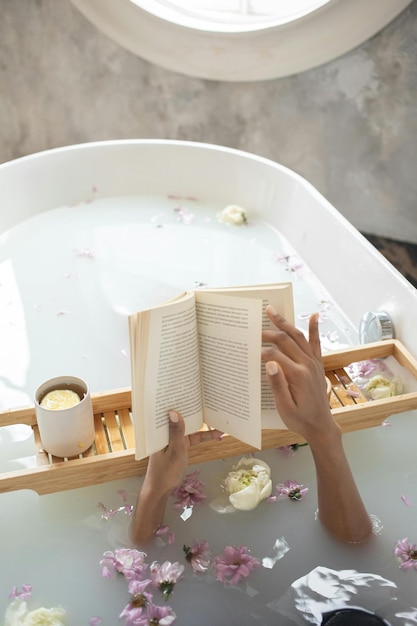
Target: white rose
(233, 214)
(248, 484)
(380, 387)
(15, 613)
(46, 617)
(18, 615)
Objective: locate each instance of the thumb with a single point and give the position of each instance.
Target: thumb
(279, 385)
(176, 426)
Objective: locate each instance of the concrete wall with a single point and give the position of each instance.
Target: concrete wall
(349, 127)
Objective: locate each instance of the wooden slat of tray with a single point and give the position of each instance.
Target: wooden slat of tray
(113, 431)
(350, 386)
(100, 442)
(112, 455)
(339, 389)
(126, 425)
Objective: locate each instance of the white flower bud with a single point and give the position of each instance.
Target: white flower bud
(233, 214)
(248, 484)
(380, 387)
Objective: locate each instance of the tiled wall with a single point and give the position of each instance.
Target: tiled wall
(349, 127)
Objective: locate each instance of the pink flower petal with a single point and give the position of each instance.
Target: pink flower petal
(352, 393)
(171, 538)
(86, 253)
(122, 493)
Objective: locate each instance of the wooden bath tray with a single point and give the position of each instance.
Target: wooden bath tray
(112, 455)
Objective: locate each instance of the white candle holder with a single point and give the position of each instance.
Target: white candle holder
(69, 431)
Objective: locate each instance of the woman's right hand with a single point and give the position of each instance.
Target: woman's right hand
(295, 373)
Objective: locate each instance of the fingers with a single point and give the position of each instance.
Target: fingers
(288, 342)
(313, 335)
(279, 386)
(286, 336)
(282, 324)
(177, 429)
(204, 435)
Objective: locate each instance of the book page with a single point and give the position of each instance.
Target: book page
(138, 324)
(166, 355)
(280, 296)
(229, 330)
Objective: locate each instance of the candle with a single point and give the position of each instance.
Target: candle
(60, 399)
(64, 413)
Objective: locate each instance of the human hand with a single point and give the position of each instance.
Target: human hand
(295, 373)
(166, 468)
(165, 472)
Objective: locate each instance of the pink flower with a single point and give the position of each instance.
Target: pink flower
(189, 492)
(198, 556)
(406, 553)
(165, 530)
(234, 564)
(24, 594)
(126, 561)
(292, 489)
(157, 615)
(165, 576)
(291, 449)
(365, 368)
(286, 450)
(139, 602)
(286, 259)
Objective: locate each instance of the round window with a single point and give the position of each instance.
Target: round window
(240, 40)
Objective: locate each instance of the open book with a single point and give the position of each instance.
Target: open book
(200, 354)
